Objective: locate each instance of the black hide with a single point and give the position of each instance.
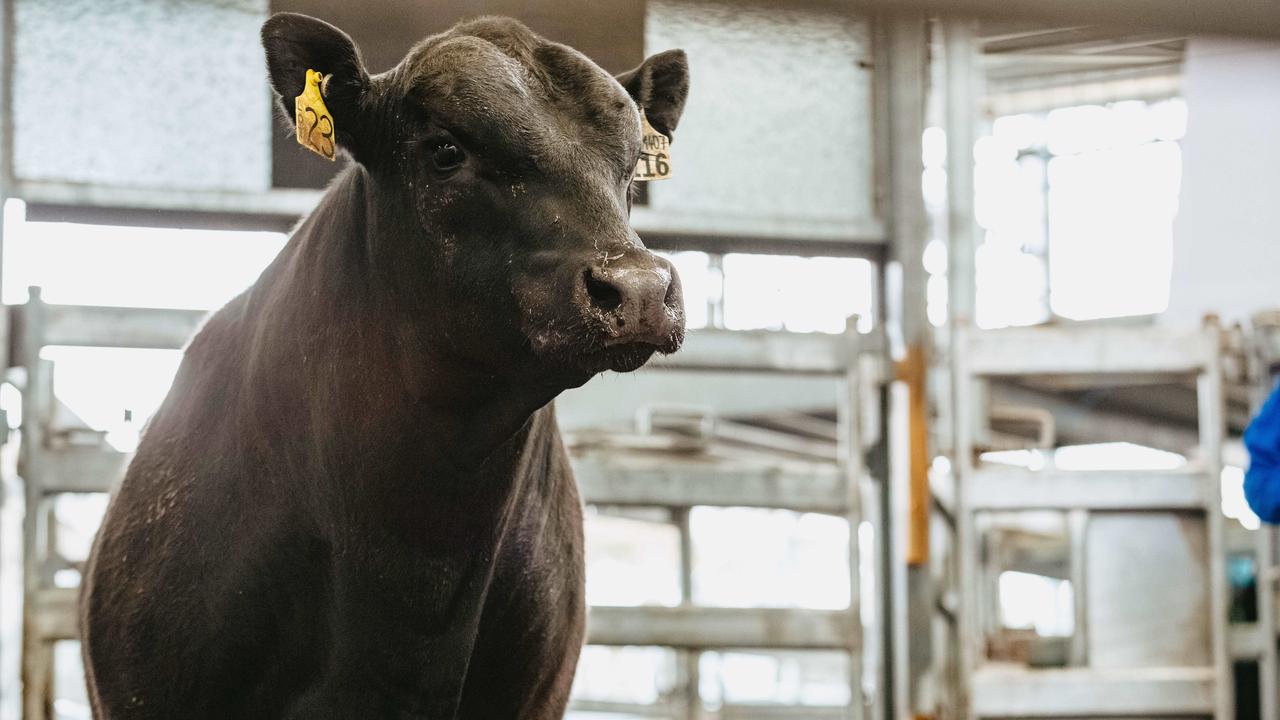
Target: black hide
(354, 502)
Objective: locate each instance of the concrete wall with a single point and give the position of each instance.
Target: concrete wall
(1226, 255)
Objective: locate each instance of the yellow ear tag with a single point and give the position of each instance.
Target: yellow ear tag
(312, 118)
(655, 153)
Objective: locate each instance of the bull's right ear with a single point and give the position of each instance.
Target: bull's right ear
(298, 43)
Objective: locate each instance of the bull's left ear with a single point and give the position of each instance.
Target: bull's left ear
(659, 86)
(297, 43)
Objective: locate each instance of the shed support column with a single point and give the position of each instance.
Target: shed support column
(902, 63)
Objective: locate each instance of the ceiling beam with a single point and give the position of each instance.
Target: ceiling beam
(1246, 18)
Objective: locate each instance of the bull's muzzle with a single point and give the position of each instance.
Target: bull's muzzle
(639, 301)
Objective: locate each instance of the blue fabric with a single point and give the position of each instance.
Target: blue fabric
(1262, 481)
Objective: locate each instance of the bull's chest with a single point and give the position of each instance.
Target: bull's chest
(473, 630)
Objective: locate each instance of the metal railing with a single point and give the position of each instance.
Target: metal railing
(49, 467)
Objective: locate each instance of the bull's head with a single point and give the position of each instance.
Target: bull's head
(502, 164)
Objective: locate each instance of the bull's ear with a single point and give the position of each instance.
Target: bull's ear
(298, 43)
(659, 86)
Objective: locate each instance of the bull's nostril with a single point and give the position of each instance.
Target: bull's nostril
(604, 295)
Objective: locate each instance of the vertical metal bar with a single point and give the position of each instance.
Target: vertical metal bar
(907, 76)
(1260, 362)
(901, 60)
(969, 646)
(7, 34)
(960, 56)
(1212, 413)
(851, 460)
(715, 299)
(896, 612)
(1266, 589)
(959, 40)
(687, 659)
(36, 655)
(1077, 534)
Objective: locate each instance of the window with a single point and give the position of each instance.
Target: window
(1076, 209)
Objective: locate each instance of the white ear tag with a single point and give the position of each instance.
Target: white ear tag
(655, 153)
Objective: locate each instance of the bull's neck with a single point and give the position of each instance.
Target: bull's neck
(355, 366)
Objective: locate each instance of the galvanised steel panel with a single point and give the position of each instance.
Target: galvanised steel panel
(778, 122)
(1148, 590)
(166, 94)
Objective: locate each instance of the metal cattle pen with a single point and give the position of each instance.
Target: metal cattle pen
(609, 478)
(56, 460)
(885, 226)
(1126, 658)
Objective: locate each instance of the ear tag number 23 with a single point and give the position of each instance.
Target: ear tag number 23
(312, 118)
(655, 153)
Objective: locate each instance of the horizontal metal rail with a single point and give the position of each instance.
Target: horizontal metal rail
(704, 627)
(704, 349)
(672, 481)
(55, 614)
(678, 627)
(1008, 489)
(1247, 640)
(604, 479)
(119, 327)
(289, 205)
(1089, 351)
(82, 470)
(727, 711)
(1078, 693)
(764, 351)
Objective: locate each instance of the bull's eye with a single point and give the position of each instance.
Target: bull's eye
(447, 156)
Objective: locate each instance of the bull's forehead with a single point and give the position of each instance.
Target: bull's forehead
(508, 89)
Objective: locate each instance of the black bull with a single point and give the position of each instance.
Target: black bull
(354, 502)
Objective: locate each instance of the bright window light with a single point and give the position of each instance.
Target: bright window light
(1234, 504)
(1111, 226)
(763, 678)
(748, 557)
(1116, 456)
(699, 282)
(632, 562)
(800, 294)
(1077, 206)
(640, 675)
(139, 379)
(1037, 602)
(148, 267)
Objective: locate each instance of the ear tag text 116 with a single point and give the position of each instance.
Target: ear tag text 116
(655, 153)
(313, 120)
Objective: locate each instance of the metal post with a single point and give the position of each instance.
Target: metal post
(1077, 535)
(715, 299)
(7, 32)
(1212, 413)
(969, 646)
(687, 659)
(1262, 358)
(959, 49)
(36, 656)
(850, 454)
(960, 52)
(1266, 597)
(902, 51)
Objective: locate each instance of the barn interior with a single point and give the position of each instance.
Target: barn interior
(980, 296)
